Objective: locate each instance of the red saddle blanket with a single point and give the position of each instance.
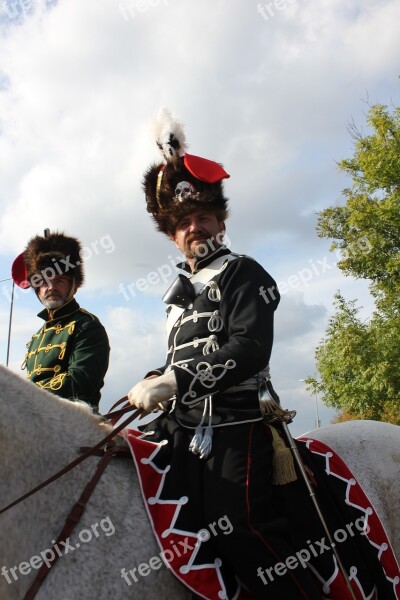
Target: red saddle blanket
(372, 569)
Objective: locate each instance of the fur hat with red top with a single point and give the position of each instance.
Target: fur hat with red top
(46, 257)
(182, 183)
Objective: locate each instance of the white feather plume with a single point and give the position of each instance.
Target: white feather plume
(169, 135)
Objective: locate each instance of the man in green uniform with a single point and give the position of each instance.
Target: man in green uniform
(69, 354)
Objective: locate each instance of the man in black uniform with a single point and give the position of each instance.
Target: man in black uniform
(220, 335)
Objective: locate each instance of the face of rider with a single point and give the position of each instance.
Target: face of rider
(198, 234)
(55, 292)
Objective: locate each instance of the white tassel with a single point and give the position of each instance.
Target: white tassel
(201, 443)
(206, 444)
(197, 439)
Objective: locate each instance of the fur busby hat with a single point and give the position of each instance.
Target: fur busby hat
(48, 256)
(182, 183)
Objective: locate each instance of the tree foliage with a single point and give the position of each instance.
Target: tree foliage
(359, 362)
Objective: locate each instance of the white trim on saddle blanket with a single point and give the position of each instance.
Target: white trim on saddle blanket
(180, 548)
(372, 525)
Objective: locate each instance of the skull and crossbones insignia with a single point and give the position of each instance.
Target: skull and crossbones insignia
(184, 190)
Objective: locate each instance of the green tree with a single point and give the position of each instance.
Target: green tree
(359, 362)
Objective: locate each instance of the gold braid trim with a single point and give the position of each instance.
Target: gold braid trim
(55, 383)
(158, 188)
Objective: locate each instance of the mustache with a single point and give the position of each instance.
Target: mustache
(194, 237)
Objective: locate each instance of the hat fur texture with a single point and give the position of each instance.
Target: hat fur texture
(182, 183)
(56, 254)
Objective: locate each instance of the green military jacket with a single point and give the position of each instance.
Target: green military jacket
(69, 355)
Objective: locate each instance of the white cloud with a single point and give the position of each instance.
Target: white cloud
(135, 349)
(294, 317)
(269, 99)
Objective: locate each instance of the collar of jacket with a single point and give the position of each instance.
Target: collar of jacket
(203, 262)
(66, 309)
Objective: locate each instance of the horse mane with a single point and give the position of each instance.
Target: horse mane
(26, 408)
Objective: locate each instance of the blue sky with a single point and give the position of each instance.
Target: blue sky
(267, 89)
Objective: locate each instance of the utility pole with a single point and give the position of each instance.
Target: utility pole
(317, 419)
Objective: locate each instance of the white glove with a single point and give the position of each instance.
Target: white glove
(148, 393)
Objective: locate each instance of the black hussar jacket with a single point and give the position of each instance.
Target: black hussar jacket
(220, 345)
(69, 355)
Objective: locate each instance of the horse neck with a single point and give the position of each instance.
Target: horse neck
(39, 433)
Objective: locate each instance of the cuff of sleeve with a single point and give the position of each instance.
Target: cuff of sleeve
(153, 372)
(189, 391)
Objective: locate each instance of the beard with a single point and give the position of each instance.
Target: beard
(199, 246)
(53, 302)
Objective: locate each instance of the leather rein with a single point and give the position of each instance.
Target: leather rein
(106, 450)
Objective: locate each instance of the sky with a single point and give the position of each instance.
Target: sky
(268, 89)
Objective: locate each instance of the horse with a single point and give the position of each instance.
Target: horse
(112, 550)
(39, 434)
